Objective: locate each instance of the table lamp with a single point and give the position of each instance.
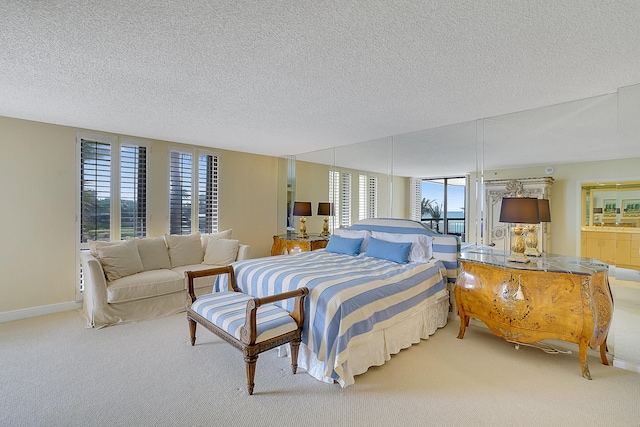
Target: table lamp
(532, 229)
(302, 209)
(596, 215)
(326, 209)
(519, 210)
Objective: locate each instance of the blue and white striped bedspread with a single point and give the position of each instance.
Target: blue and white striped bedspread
(348, 295)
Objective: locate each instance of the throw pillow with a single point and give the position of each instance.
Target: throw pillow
(221, 251)
(344, 245)
(391, 251)
(355, 234)
(226, 234)
(184, 250)
(153, 253)
(120, 260)
(421, 244)
(94, 245)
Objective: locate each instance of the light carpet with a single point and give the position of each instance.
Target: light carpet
(56, 373)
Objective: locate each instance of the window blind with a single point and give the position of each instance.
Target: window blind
(133, 191)
(95, 190)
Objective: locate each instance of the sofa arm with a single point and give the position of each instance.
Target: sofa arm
(95, 285)
(243, 252)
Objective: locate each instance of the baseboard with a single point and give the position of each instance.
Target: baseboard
(8, 316)
(628, 366)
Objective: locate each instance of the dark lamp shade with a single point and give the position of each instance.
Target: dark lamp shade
(544, 211)
(302, 208)
(597, 210)
(325, 208)
(520, 210)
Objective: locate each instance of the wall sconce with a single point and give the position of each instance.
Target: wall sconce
(326, 209)
(596, 215)
(532, 229)
(302, 209)
(519, 210)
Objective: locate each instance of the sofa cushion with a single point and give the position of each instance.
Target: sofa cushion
(221, 251)
(120, 260)
(226, 234)
(94, 245)
(143, 285)
(153, 253)
(184, 250)
(198, 282)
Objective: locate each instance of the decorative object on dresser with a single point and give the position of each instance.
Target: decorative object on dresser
(287, 244)
(302, 209)
(531, 240)
(519, 210)
(497, 233)
(596, 215)
(325, 209)
(553, 297)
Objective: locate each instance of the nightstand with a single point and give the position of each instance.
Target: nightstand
(290, 243)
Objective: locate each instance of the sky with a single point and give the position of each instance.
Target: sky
(455, 196)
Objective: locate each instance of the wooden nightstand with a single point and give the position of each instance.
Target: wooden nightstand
(292, 243)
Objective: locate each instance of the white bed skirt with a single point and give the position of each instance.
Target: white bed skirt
(376, 347)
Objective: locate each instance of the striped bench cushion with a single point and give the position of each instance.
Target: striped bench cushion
(228, 309)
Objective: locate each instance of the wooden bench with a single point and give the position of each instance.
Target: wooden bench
(252, 325)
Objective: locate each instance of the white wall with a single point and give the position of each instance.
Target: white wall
(38, 255)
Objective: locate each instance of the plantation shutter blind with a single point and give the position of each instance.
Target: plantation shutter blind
(180, 178)
(208, 193)
(334, 193)
(415, 199)
(95, 190)
(133, 191)
(373, 197)
(345, 196)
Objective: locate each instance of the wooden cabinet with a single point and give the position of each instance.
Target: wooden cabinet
(287, 244)
(614, 248)
(554, 297)
(601, 245)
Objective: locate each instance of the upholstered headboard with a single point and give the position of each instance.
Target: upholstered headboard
(445, 247)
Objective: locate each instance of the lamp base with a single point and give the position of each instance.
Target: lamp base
(518, 257)
(325, 227)
(303, 228)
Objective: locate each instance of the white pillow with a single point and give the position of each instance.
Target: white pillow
(120, 260)
(221, 251)
(226, 234)
(421, 244)
(153, 253)
(94, 245)
(355, 234)
(184, 250)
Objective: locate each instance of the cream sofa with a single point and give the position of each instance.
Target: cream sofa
(139, 279)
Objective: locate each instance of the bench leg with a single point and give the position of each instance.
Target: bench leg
(192, 330)
(295, 346)
(250, 362)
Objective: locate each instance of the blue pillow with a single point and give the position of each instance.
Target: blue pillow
(391, 251)
(343, 245)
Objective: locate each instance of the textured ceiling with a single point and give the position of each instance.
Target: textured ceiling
(289, 77)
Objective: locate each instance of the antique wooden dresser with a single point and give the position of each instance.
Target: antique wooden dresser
(551, 297)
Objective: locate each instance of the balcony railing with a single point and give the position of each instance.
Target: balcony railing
(453, 226)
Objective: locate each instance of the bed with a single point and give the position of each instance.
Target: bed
(361, 309)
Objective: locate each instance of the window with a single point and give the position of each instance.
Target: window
(368, 197)
(113, 189)
(340, 196)
(441, 204)
(188, 214)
